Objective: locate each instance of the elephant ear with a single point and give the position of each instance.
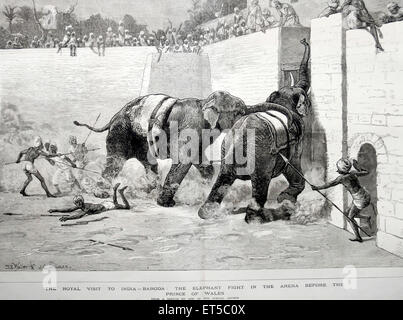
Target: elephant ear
(211, 115)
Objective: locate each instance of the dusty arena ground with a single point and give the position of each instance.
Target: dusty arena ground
(42, 94)
(169, 239)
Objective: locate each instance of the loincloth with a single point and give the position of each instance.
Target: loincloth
(361, 199)
(109, 205)
(30, 168)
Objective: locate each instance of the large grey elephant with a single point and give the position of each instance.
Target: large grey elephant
(276, 131)
(140, 122)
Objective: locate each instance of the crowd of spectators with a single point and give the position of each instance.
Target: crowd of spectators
(174, 39)
(242, 22)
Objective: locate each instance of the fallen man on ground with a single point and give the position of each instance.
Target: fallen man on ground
(94, 208)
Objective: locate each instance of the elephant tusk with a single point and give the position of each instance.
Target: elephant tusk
(154, 134)
(292, 80)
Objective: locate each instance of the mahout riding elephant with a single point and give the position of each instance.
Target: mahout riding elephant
(138, 123)
(275, 131)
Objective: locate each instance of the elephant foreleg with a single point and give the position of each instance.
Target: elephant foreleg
(224, 181)
(172, 182)
(295, 181)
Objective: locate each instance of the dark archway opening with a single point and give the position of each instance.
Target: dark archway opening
(367, 159)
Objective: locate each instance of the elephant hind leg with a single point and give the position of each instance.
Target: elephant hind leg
(296, 184)
(261, 179)
(260, 187)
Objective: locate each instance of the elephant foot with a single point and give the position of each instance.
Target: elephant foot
(167, 203)
(286, 196)
(253, 216)
(254, 213)
(209, 210)
(206, 172)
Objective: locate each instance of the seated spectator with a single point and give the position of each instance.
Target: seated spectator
(115, 41)
(220, 31)
(167, 47)
(288, 16)
(151, 41)
(190, 38)
(179, 40)
(186, 46)
(333, 7)
(243, 28)
(35, 42)
(50, 39)
(395, 13)
(178, 49)
(108, 38)
(162, 41)
(269, 21)
(237, 16)
(142, 39)
(128, 38)
(16, 43)
(233, 31)
(66, 39)
(84, 41)
(196, 48)
(356, 16)
(170, 36)
(255, 17)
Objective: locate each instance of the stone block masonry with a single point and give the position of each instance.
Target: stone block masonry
(362, 104)
(180, 75)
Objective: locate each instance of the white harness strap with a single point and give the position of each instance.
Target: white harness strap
(146, 107)
(162, 112)
(278, 122)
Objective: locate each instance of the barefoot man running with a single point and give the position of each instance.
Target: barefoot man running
(31, 154)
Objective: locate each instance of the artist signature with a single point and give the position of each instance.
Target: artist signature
(33, 266)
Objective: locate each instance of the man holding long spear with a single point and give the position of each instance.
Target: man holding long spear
(30, 155)
(361, 197)
(349, 179)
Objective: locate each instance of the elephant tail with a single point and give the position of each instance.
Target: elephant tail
(125, 109)
(104, 128)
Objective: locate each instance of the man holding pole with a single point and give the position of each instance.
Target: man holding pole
(30, 155)
(361, 197)
(349, 179)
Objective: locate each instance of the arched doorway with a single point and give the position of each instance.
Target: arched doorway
(367, 159)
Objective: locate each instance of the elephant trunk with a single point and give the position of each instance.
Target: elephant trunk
(304, 82)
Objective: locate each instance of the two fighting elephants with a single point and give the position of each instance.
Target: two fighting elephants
(138, 129)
